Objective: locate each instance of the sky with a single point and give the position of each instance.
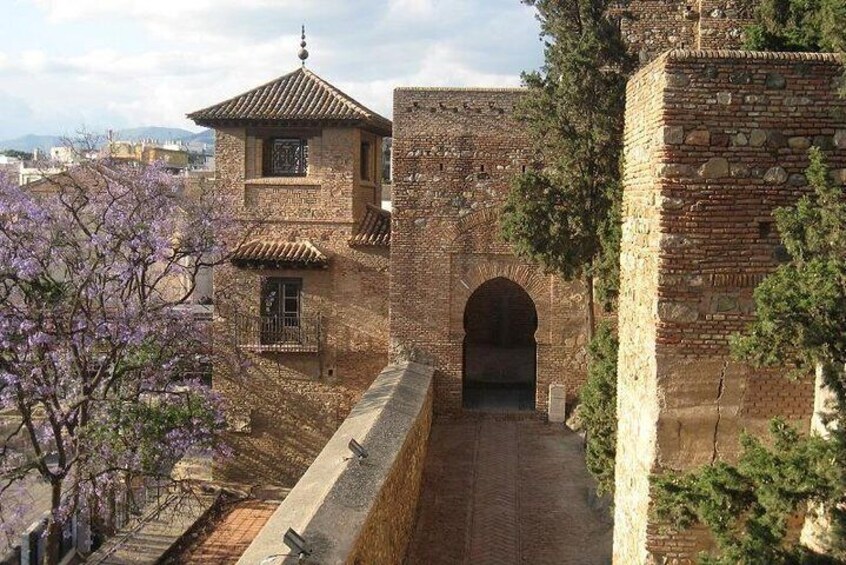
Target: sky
(66, 65)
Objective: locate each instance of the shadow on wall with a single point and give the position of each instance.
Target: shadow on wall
(291, 419)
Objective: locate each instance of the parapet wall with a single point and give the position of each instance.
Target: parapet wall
(351, 512)
(715, 141)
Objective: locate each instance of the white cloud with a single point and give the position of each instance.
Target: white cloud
(198, 21)
(411, 8)
(442, 65)
(33, 61)
(76, 10)
(187, 54)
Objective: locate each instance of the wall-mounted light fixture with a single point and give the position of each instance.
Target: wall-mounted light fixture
(296, 544)
(357, 450)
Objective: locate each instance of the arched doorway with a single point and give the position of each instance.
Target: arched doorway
(499, 348)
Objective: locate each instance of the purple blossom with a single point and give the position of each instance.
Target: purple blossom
(88, 274)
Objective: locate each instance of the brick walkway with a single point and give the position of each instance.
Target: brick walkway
(508, 492)
(228, 537)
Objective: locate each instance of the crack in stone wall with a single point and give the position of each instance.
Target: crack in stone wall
(721, 388)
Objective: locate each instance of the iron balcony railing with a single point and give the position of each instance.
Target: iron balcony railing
(295, 334)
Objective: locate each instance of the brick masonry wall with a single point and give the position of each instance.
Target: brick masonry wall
(715, 141)
(288, 405)
(455, 151)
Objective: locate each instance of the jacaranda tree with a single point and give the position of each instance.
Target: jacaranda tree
(96, 349)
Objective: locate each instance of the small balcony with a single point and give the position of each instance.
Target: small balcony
(278, 334)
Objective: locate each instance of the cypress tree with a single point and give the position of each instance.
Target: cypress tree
(564, 213)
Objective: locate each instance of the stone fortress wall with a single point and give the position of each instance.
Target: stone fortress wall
(715, 141)
(455, 152)
(651, 27)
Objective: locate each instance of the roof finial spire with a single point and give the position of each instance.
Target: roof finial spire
(303, 55)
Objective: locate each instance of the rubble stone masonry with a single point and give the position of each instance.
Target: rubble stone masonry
(651, 27)
(715, 141)
(455, 152)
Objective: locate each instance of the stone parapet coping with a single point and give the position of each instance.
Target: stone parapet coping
(459, 89)
(683, 54)
(331, 503)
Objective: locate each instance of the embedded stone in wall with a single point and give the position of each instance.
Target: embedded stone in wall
(679, 312)
(715, 168)
(775, 81)
(724, 303)
(678, 80)
(823, 142)
(757, 138)
(698, 137)
(674, 135)
(775, 175)
(673, 170)
(798, 142)
(739, 171)
(776, 139)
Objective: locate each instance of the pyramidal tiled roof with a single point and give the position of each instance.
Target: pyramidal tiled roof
(300, 96)
(374, 229)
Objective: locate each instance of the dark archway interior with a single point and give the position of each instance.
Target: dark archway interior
(499, 348)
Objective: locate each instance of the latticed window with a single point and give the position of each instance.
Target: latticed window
(285, 157)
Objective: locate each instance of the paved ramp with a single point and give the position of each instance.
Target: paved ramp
(499, 491)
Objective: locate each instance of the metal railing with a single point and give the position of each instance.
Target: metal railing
(295, 334)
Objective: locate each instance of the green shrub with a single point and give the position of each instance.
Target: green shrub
(598, 409)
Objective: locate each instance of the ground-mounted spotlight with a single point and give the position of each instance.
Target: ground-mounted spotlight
(296, 544)
(357, 450)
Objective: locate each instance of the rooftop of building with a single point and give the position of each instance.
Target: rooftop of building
(297, 98)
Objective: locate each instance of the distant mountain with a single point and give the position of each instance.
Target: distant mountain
(27, 143)
(206, 136)
(195, 140)
(155, 133)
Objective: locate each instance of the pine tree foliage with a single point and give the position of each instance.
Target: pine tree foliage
(800, 322)
(798, 25)
(598, 408)
(748, 506)
(564, 214)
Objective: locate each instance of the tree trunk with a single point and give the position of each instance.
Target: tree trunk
(54, 528)
(818, 527)
(589, 305)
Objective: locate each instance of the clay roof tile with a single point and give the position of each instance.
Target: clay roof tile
(300, 96)
(264, 253)
(374, 228)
